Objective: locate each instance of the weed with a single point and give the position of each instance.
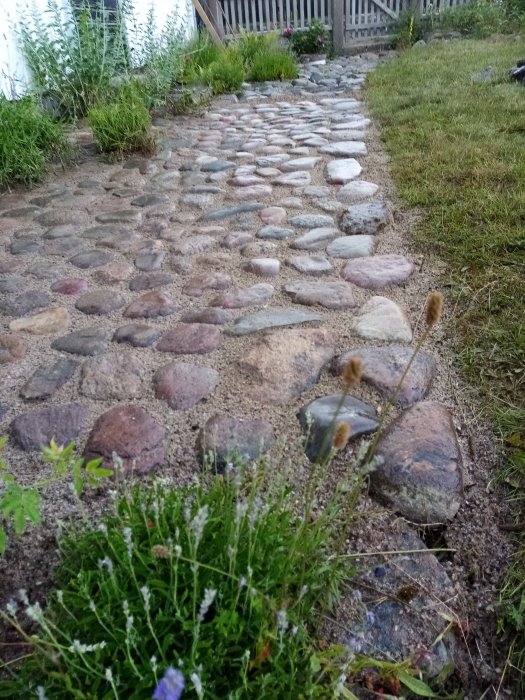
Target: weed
(225, 75)
(273, 64)
(312, 40)
(29, 139)
(122, 127)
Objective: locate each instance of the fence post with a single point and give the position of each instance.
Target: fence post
(215, 13)
(338, 25)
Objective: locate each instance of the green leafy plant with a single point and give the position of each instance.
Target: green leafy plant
(273, 64)
(29, 139)
(122, 127)
(199, 53)
(225, 75)
(312, 40)
(23, 504)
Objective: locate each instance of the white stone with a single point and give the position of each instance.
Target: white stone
(352, 247)
(345, 148)
(356, 191)
(339, 172)
(382, 319)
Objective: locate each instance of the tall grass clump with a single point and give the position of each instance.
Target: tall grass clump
(225, 75)
(122, 127)
(29, 140)
(273, 64)
(199, 53)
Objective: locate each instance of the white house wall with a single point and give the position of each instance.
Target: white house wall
(14, 75)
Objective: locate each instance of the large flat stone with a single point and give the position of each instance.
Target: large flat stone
(316, 239)
(190, 339)
(240, 298)
(150, 305)
(344, 149)
(47, 322)
(314, 265)
(87, 341)
(382, 319)
(183, 385)
(342, 170)
(331, 295)
(34, 429)
(272, 318)
(367, 218)
(113, 376)
(225, 439)
(47, 380)
(351, 246)
(356, 191)
(378, 271)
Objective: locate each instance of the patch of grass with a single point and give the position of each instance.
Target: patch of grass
(457, 153)
(273, 64)
(199, 53)
(122, 127)
(225, 75)
(29, 139)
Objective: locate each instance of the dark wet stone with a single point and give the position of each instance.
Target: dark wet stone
(183, 385)
(9, 284)
(34, 429)
(137, 334)
(217, 317)
(240, 298)
(367, 218)
(69, 286)
(274, 232)
(90, 259)
(24, 303)
(284, 363)
(378, 271)
(331, 295)
(47, 380)
(194, 245)
(227, 212)
(21, 212)
(131, 433)
(100, 302)
(421, 471)
(225, 439)
(87, 341)
(149, 260)
(113, 376)
(150, 280)
(217, 166)
(24, 245)
(383, 367)
(12, 348)
(123, 216)
(149, 200)
(190, 339)
(199, 284)
(328, 412)
(151, 304)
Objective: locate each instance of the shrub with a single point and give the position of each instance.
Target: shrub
(29, 138)
(122, 126)
(273, 64)
(248, 45)
(225, 75)
(314, 39)
(199, 53)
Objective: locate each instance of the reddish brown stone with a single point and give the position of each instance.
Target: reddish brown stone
(70, 286)
(190, 339)
(182, 385)
(151, 304)
(35, 428)
(197, 285)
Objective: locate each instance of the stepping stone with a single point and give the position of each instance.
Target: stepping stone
(272, 215)
(274, 233)
(45, 322)
(191, 339)
(114, 273)
(352, 247)
(307, 163)
(194, 245)
(100, 302)
(151, 304)
(272, 318)
(225, 439)
(299, 178)
(342, 170)
(24, 303)
(331, 295)
(87, 341)
(345, 149)
(383, 368)
(228, 212)
(93, 258)
(217, 317)
(284, 363)
(131, 433)
(138, 335)
(263, 267)
(47, 380)
(310, 264)
(35, 429)
(123, 216)
(378, 271)
(240, 298)
(199, 284)
(421, 472)
(320, 418)
(368, 218)
(356, 190)
(316, 239)
(149, 260)
(235, 240)
(382, 319)
(312, 221)
(114, 376)
(12, 348)
(251, 192)
(183, 385)
(150, 280)
(148, 200)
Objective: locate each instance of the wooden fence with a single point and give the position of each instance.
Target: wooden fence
(349, 19)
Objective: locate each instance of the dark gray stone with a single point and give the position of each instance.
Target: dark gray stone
(225, 439)
(274, 232)
(93, 258)
(24, 303)
(87, 341)
(137, 334)
(367, 218)
(272, 318)
(47, 380)
(34, 429)
(312, 221)
(150, 280)
(100, 302)
(149, 200)
(217, 166)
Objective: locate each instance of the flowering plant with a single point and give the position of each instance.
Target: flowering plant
(314, 39)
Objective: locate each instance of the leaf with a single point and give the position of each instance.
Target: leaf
(315, 664)
(415, 685)
(3, 540)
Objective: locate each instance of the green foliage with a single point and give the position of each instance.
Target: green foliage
(29, 138)
(23, 504)
(122, 127)
(273, 64)
(312, 40)
(225, 75)
(199, 53)
(248, 46)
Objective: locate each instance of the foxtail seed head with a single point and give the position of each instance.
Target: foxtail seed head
(352, 371)
(434, 308)
(341, 436)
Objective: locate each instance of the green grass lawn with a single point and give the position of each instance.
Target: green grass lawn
(458, 153)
